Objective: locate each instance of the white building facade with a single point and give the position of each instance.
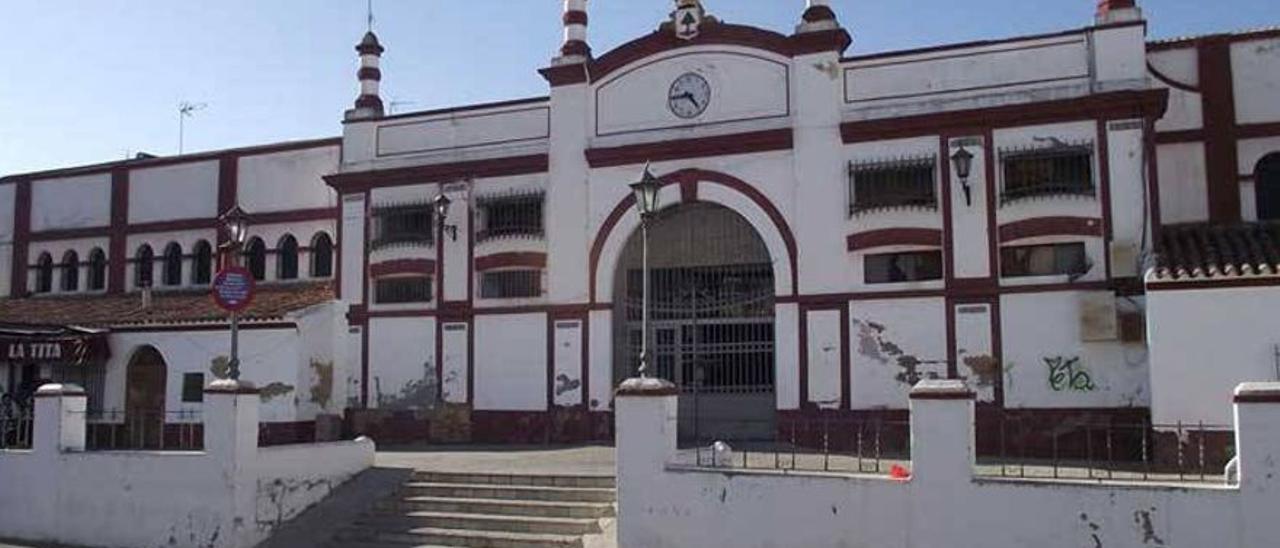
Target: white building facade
(832, 229)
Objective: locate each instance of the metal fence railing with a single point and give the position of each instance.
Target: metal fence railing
(822, 444)
(1134, 452)
(132, 430)
(16, 430)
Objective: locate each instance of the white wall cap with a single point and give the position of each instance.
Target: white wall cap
(941, 389)
(638, 386)
(55, 389)
(1258, 392)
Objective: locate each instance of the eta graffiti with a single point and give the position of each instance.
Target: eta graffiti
(1067, 374)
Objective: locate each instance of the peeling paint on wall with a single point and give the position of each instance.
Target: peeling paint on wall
(220, 367)
(416, 394)
(274, 390)
(322, 388)
(873, 344)
(565, 384)
(1142, 519)
(985, 368)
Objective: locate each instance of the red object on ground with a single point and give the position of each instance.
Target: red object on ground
(899, 473)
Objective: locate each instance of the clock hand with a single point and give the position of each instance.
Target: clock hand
(689, 97)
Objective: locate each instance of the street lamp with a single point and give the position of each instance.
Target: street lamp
(646, 195)
(963, 162)
(442, 204)
(236, 223)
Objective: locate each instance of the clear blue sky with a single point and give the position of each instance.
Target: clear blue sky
(87, 81)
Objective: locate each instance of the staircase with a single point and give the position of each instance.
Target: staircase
(485, 510)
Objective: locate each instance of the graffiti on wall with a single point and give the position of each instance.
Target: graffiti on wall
(1068, 375)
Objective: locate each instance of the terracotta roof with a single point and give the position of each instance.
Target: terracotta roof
(271, 302)
(1204, 251)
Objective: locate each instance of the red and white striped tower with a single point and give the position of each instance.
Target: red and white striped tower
(1117, 11)
(575, 48)
(818, 16)
(369, 103)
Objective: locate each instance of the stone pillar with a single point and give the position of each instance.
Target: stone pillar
(942, 446)
(231, 420)
(1257, 411)
(59, 418)
(646, 439)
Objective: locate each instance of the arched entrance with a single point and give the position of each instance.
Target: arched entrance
(1267, 187)
(711, 319)
(145, 379)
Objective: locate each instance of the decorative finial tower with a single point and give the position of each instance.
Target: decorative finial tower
(369, 103)
(818, 16)
(575, 49)
(1117, 11)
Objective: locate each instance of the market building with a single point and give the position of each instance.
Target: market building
(1076, 223)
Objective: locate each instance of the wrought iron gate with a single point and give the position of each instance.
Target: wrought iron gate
(711, 320)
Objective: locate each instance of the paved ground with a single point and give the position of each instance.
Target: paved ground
(540, 459)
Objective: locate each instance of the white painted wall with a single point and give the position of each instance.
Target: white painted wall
(970, 253)
(824, 358)
(351, 248)
(179, 191)
(1184, 187)
(887, 340)
(566, 383)
(491, 127)
(975, 346)
(402, 362)
(1204, 340)
(72, 202)
(511, 376)
(600, 346)
(1255, 66)
(455, 361)
(287, 180)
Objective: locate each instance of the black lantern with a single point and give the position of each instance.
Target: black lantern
(646, 193)
(442, 204)
(236, 223)
(962, 160)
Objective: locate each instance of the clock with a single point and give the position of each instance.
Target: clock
(689, 96)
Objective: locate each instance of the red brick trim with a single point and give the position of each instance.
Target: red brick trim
(508, 260)
(894, 236)
(436, 173)
(21, 236)
(1218, 105)
(1051, 226)
(939, 396)
(117, 254)
(565, 75)
(1169, 81)
(814, 14)
(575, 17)
(1264, 397)
(720, 145)
(575, 47)
(369, 73)
(425, 267)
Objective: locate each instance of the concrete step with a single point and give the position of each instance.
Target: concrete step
(480, 522)
(431, 536)
(604, 482)
(508, 492)
(538, 508)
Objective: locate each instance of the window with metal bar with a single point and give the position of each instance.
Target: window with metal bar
(172, 274)
(913, 266)
(97, 270)
(514, 216)
(900, 183)
(1043, 260)
(192, 387)
(511, 284)
(402, 289)
(201, 263)
(403, 225)
(71, 271)
(44, 273)
(321, 256)
(142, 264)
(287, 258)
(1062, 170)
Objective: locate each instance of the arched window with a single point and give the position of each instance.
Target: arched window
(1267, 184)
(287, 258)
(255, 258)
(142, 262)
(44, 273)
(172, 264)
(97, 270)
(321, 256)
(201, 263)
(70, 271)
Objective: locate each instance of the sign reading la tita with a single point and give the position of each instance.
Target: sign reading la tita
(233, 288)
(34, 351)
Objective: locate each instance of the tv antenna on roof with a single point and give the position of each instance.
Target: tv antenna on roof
(186, 110)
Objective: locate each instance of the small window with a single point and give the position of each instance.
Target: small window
(406, 289)
(892, 184)
(287, 258)
(172, 265)
(1060, 170)
(1266, 181)
(510, 217)
(142, 264)
(201, 263)
(1043, 260)
(915, 266)
(255, 258)
(70, 272)
(97, 270)
(44, 273)
(407, 225)
(321, 256)
(192, 387)
(511, 284)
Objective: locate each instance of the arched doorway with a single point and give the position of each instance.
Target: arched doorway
(711, 319)
(145, 379)
(1267, 187)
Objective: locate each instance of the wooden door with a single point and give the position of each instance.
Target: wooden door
(144, 398)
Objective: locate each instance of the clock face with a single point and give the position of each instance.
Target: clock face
(689, 96)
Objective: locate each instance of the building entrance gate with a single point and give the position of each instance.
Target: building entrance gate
(711, 320)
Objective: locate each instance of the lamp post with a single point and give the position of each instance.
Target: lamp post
(236, 223)
(962, 160)
(646, 195)
(442, 204)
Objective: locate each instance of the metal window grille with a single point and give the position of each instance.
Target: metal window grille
(173, 265)
(202, 263)
(898, 183)
(1043, 260)
(70, 271)
(287, 259)
(322, 257)
(44, 274)
(192, 387)
(511, 216)
(1061, 170)
(402, 289)
(143, 429)
(410, 224)
(97, 270)
(511, 284)
(142, 267)
(903, 267)
(256, 257)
